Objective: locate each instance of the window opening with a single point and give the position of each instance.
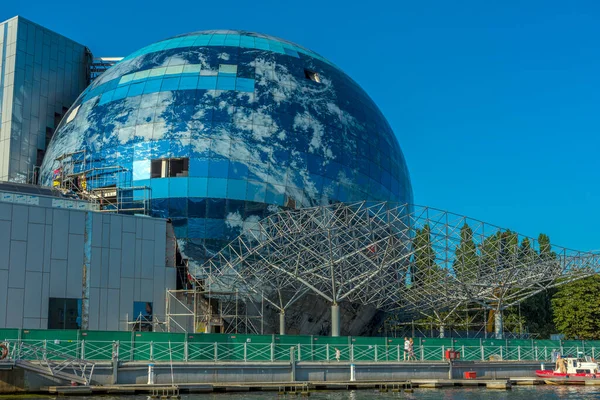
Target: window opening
(64, 313)
(169, 168)
(142, 315)
(312, 75)
(178, 167)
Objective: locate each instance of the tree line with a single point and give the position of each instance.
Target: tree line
(572, 309)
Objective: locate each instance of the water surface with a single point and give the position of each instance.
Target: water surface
(541, 392)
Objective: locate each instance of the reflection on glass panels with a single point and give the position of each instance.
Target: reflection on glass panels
(228, 126)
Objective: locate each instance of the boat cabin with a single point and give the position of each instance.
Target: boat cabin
(580, 365)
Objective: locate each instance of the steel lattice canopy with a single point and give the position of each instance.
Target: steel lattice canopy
(396, 257)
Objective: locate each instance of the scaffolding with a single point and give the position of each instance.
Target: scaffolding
(410, 260)
(201, 311)
(110, 187)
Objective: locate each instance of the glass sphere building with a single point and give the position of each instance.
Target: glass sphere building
(228, 126)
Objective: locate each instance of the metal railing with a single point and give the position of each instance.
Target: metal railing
(90, 350)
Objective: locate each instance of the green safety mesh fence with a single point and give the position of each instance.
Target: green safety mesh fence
(157, 346)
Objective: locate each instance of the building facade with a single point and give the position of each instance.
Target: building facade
(63, 265)
(226, 127)
(41, 75)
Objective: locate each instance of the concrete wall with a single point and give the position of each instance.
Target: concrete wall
(44, 251)
(278, 372)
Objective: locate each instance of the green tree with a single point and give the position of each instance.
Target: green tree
(526, 252)
(576, 308)
(465, 258)
(546, 252)
(426, 270)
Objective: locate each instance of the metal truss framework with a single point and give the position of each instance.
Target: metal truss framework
(401, 258)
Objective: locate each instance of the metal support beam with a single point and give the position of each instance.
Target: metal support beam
(282, 323)
(335, 320)
(498, 324)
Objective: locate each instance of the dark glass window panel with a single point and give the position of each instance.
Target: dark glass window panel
(216, 208)
(235, 206)
(197, 208)
(178, 207)
(64, 313)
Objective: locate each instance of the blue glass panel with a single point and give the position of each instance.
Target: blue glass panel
(196, 228)
(236, 189)
(136, 89)
(218, 168)
(180, 227)
(171, 83)
(106, 97)
(217, 187)
(256, 191)
(120, 93)
(153, 85)
(198, 167)
(291, 52)
(207, 82)
(188, 82)
(178, 207)
(160, 207)
(197, 187)
(247, 41)
(217, 40)
(196, 207)
(244, 85)
(178, 187)
(275, 194)
(238, 170)
(215, 228)
(160, 188)
(226, 82)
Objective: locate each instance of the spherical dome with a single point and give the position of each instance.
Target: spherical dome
(226, 127)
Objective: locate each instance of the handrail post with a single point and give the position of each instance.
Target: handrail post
(272, 351)
(536, 353)
(185, 351)
(376, 355)
(300, 353)
(519, 352)
(443, 352)
(151, 350)
(245, 351)
(45, 348)
(482, 353)
(422, 353)
(398, 346)
(327, 351)
(216, 355)
(462, 351)
(501, 356)
(83, 349)
(352, 352)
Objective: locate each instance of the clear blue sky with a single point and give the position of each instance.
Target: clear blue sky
(496, 104)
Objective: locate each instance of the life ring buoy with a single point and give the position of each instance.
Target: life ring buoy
(3, 351)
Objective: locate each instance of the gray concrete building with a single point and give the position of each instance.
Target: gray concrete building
(64, 265)
(41, 75)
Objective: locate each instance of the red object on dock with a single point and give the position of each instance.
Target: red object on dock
(452, 355)
(470, 375)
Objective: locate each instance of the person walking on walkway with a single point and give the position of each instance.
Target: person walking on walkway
(406, 348)
(411, 350)
(338, 353)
